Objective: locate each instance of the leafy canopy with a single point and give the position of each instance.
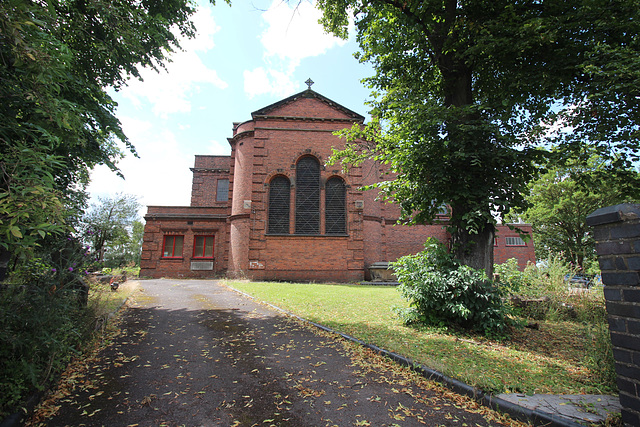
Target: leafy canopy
(57, 121)
(468, 97)
(559, 206)
(107, 226)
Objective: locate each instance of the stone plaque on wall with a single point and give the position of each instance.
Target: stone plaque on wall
(201, 265)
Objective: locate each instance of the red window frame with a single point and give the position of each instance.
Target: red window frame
(173, 238)
(203, 254)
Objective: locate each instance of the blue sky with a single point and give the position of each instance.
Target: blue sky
(244, 57)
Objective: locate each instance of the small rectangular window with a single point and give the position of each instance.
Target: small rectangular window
(222, 191)
(495, 241)
(514, 241)
(203, 247)
(172, 246)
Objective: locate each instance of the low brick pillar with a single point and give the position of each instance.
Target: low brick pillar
(617, 235)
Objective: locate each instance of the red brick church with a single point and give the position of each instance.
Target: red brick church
(272, 210)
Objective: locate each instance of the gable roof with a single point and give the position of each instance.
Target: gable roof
(309, 93)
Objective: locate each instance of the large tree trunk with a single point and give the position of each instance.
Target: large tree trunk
(472, 249)
(475, 250)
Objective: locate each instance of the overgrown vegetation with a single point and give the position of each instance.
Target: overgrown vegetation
(49, 309)
(443, 292)
(51, 306)
(543, 293)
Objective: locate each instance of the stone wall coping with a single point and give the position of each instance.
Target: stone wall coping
(184, 216)
(612, 214)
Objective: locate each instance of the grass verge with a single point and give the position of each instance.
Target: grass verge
(550, 359)
(103, 300)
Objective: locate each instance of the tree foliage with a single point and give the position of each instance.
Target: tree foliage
(57, 121)
(468, 97)
(559, 206)
(108, 226)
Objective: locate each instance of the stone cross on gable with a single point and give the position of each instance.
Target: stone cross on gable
(309, 83)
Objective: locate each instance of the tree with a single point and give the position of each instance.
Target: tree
(469, 95)
(127, 251)
(108, 225)
(57, 120)
(559, 206)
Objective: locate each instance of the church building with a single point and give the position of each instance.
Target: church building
(273, 209)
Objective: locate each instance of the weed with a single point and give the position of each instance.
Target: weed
(550, 298)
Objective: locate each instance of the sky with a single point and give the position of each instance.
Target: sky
(244, 57)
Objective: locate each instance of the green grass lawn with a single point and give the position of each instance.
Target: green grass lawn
(548, 360)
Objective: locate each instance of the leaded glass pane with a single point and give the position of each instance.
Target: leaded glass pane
(335, 207)
(308, 196)
(222, 191)
(279, 203)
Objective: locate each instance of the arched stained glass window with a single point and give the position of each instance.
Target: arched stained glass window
(335, 206)
(279, 202)
(308, 196)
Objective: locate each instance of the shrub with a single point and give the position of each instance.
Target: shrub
(443, 292)
(43, 319)
(39, 332)
(510, 278)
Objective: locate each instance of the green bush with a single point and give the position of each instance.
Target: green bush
(38, 334)
(43, 320)
(442, 292)
(510, 278)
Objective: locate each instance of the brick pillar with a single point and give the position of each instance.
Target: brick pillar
(617, 235)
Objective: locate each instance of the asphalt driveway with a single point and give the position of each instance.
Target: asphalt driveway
(195, 353)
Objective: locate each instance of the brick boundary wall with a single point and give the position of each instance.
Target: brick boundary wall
(617, 235)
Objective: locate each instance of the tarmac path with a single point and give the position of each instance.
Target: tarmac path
(195, 353)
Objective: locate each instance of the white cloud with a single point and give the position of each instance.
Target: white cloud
(170, 91)
(292, 34)
(161, 175)
(261, 81)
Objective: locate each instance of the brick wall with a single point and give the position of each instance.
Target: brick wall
(272, 145)
(206, 173)
(617, 235)
(188, 222)
(502, 252)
